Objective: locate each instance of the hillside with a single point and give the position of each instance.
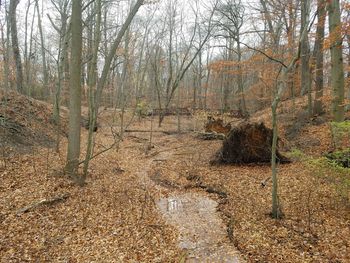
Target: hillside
(26, 122)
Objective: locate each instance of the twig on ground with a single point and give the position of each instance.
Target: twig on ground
(42, 202)
(264, 182)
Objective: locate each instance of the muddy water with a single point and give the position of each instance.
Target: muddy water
(201, 230)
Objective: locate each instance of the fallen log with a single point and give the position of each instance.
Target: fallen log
(86, 124)
(42, 202)
(170, 112)
(211, 136)
(154, 131)
(247, 143)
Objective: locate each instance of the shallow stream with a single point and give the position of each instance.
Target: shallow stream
(201, 231)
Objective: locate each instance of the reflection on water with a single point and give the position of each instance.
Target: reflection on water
(201, 230)
(174, 204)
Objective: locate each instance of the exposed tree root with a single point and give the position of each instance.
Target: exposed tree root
(247, 143)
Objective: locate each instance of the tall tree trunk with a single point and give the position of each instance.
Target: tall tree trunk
(305, 54)
(291, 45)
(109, 58)
(348, 75)
(276, 209)
(102, 80)
(73, 152)
(5, 57)
(61, 61)
(337, 69)
(15, 47)
(31, 58)
(125, 80)
(242, 104)
(43, 52)
(195, 89)
(26, 53)
(318, 55)
(92, 86)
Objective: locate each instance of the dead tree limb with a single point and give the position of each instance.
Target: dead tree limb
(42, 202)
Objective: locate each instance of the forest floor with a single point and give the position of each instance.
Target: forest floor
(166, 203)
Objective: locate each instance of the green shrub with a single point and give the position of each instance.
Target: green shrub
(339, 132)
(142, 109)
(333, 173)
(341, 158)
(296, 154)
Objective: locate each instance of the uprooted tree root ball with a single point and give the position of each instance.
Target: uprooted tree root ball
(217, 126)
(247, 143)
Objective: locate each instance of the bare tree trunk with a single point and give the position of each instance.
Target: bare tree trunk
(5, 57)
(26, 54)
(43, 52)
(318, 55)
(102, 80)
(31, 58)
(348, 75)
(305, 55)
(109, 58)
(61, 61)
(208, 75)
(15, 47)
(276, 210)
(337, 69)
(195, 88)
(242, 104)
(92, 87)
(73, 152)
(178, 110)
(222, 97)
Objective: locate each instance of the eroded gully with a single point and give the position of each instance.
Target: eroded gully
(202, 233)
